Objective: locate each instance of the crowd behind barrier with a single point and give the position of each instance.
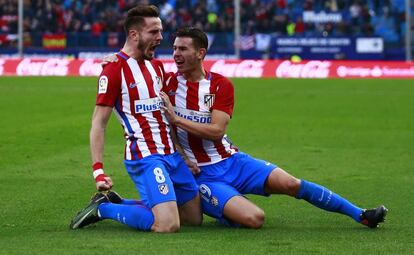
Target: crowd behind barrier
(98, 23)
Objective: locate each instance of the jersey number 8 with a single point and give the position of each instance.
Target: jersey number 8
(159, 175)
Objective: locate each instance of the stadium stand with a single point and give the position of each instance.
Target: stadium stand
(98, 23)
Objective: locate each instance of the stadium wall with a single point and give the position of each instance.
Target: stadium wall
(230, 68)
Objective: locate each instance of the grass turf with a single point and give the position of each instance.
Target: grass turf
(353, 136)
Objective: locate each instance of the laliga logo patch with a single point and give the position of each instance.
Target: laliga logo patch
(214, 201)
(163, 188)
(103, 84)
(209, 100)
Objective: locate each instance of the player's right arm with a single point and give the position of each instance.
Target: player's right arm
(100, 120)
(109, 87)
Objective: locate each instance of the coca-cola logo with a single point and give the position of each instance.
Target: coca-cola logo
(245, 68)
(90, 67)
(43, 67)
(310, 69)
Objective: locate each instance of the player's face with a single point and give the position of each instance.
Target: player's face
(149, 37)
(186, 57)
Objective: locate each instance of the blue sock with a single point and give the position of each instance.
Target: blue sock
(131, 202)
(325, 199)
(135, 216)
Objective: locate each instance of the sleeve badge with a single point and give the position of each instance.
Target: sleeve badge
(103, 84)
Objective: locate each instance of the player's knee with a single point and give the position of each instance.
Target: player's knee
(171, 228)
(166, 218)
(166, 224)
(255, 220)
(166, 227)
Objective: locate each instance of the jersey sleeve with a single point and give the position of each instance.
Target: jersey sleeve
(224, 97)
(109, 85)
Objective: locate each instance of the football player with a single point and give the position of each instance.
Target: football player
(200, 104)
(130, 88)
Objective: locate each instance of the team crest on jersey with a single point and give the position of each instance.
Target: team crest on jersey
(163, 188)
(214, 201)
(103, 84)
(209, 100)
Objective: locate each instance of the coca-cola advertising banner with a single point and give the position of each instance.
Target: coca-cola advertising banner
(229, 68)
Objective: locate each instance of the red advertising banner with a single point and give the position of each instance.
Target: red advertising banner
(231, 68)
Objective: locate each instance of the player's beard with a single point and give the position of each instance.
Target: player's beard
(143, 47)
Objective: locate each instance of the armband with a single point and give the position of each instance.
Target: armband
(98, 172)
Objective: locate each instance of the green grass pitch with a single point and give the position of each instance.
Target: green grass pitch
(354, 136)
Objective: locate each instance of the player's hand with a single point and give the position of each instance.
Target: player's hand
(193, 167)
(109, 59)
(168, 108)
(104, 185)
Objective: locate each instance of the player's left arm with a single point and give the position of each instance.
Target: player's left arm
(212, 131)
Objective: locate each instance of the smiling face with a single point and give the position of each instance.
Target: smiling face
(186, 56)
(148, 37)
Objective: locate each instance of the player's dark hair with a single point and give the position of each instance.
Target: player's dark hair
(200, 39)
(135, 16)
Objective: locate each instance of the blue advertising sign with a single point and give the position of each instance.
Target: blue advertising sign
(328, 47)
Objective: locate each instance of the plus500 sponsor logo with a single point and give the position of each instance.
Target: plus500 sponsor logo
(195, 117)
(147, 105)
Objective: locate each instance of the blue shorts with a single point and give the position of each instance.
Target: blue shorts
(237, 175)
(162, 178)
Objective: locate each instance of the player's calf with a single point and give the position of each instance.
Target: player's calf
(190, 212)
(191, 220)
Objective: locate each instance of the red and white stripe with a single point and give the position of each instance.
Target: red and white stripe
(189, 99)
(147, 133)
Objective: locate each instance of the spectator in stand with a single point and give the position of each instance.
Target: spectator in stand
(299, 26)
(359, 17)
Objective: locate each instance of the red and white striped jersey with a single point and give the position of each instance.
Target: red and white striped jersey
(195, 102)
(132, 88)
